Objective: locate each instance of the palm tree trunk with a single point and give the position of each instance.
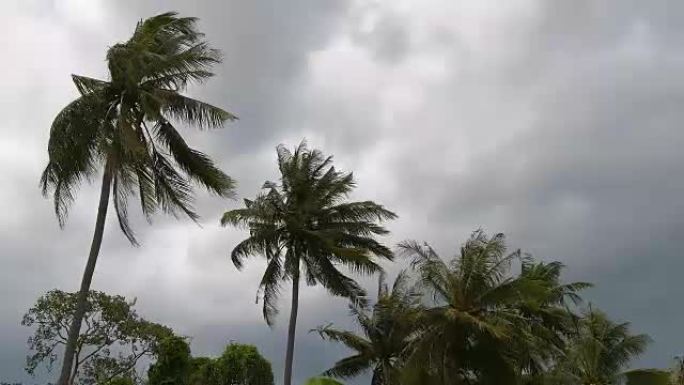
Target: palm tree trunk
(289, 355)
(82, 301)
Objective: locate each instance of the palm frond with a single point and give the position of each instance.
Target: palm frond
(269, 288)
(196, 165)
(86, 85)
(364, 212)
(73, 150)
(349, 367)
(191, 111)
(173, 192)
(121, 189)
(108, 122)
(334, 281)
(349, 339)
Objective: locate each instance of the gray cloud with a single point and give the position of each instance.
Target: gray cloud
(556, 124)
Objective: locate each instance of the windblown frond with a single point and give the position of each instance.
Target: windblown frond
(109, 124)
(191, 111)
(387, 330)
(195, 164)
(122, 188)
(304, 217)
(600, 349)
(349, 367)
(74, 149)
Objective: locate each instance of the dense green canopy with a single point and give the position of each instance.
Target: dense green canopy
(126, 125)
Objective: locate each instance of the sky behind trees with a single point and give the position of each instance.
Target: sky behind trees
(556, 124)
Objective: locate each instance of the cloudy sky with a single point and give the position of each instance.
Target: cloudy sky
(555, 122)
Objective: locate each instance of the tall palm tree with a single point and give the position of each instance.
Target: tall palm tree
(387, 331)
(125, 126)
(601, 349)
(485, 323)
(304, 226)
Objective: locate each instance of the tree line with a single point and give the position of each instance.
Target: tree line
(469, 320)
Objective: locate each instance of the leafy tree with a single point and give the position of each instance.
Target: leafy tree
(601, 349)
(125, 126)
(238, 365)
(243, 365)
(203, 371)
(114, 340)
(387, 331)
(485, 325)
(174, 363)
(304, 227)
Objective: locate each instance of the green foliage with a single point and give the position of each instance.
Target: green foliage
(387, 330)
(238, 365)
(174, 363)
(126, 125)
(203, 371)
(483, 324)
(114, 339)
(120, 380)
(304, 226)
(303, 223)
(243, 365)
(600, 349)
(648, 377)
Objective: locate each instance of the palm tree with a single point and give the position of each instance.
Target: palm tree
(124, 126)
(601, 349)
(387, 331)
(485, 326)
(548, 319)
(304, 226)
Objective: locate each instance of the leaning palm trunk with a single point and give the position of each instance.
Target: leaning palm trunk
(65, 377)
(291, 331)
(126, 125)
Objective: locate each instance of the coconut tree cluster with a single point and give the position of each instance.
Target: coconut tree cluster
(470, 320)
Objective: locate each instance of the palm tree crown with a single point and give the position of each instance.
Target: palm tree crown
(601, 349)
(127, 124)
(387, 332)
(486, 325)
(304, 223)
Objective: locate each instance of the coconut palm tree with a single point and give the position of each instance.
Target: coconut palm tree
(601, 349)
(125, 127)
(549, 322)
(305, 228)
(387, 331)
(485, 325)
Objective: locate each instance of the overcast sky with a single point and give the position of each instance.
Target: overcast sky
(555, 122)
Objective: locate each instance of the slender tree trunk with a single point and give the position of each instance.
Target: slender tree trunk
(289, 355)
(82, 301)
(77, 356)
